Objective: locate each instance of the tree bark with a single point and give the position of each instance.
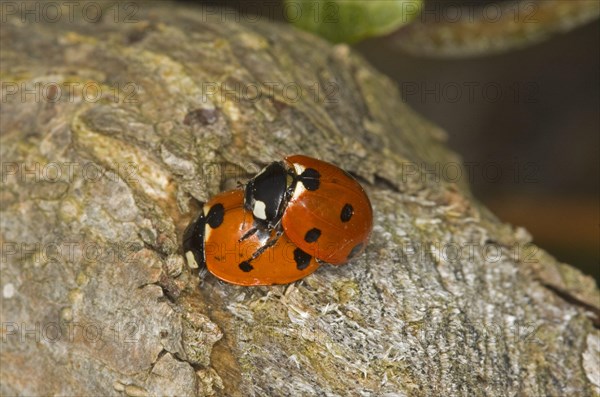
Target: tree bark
(97, 189)
(479, 29)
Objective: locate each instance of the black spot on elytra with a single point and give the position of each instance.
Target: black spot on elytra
(310, 179)
(312, 235)
(301, 258)
(202, 116)
(355, 250)
(246, 266)
(346, 213)
(215, 215)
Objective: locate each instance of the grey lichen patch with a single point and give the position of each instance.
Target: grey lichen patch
(591, 360)
(174, 265)
(579, 285)
(172, 376)
(131, 317)
(209, 382)
(113, 120)
(199, 335)
(177, 165)
(128, 161)
(50, 190)
(348, 291)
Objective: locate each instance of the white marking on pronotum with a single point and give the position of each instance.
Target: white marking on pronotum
(207, 228)
(259, 210)
(299, 169)
(191, 260)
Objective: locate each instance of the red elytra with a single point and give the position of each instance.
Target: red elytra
(339, 209)
(226, 240)
(319, 206)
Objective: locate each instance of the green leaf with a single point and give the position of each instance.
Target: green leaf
(350, 21)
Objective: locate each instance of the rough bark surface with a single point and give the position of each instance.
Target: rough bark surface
(98, 300)
(514, 25)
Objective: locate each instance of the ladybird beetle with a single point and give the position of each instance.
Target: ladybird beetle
(226, 239)
(321, 208)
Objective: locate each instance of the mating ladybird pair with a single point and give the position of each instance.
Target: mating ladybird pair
(291, 217)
